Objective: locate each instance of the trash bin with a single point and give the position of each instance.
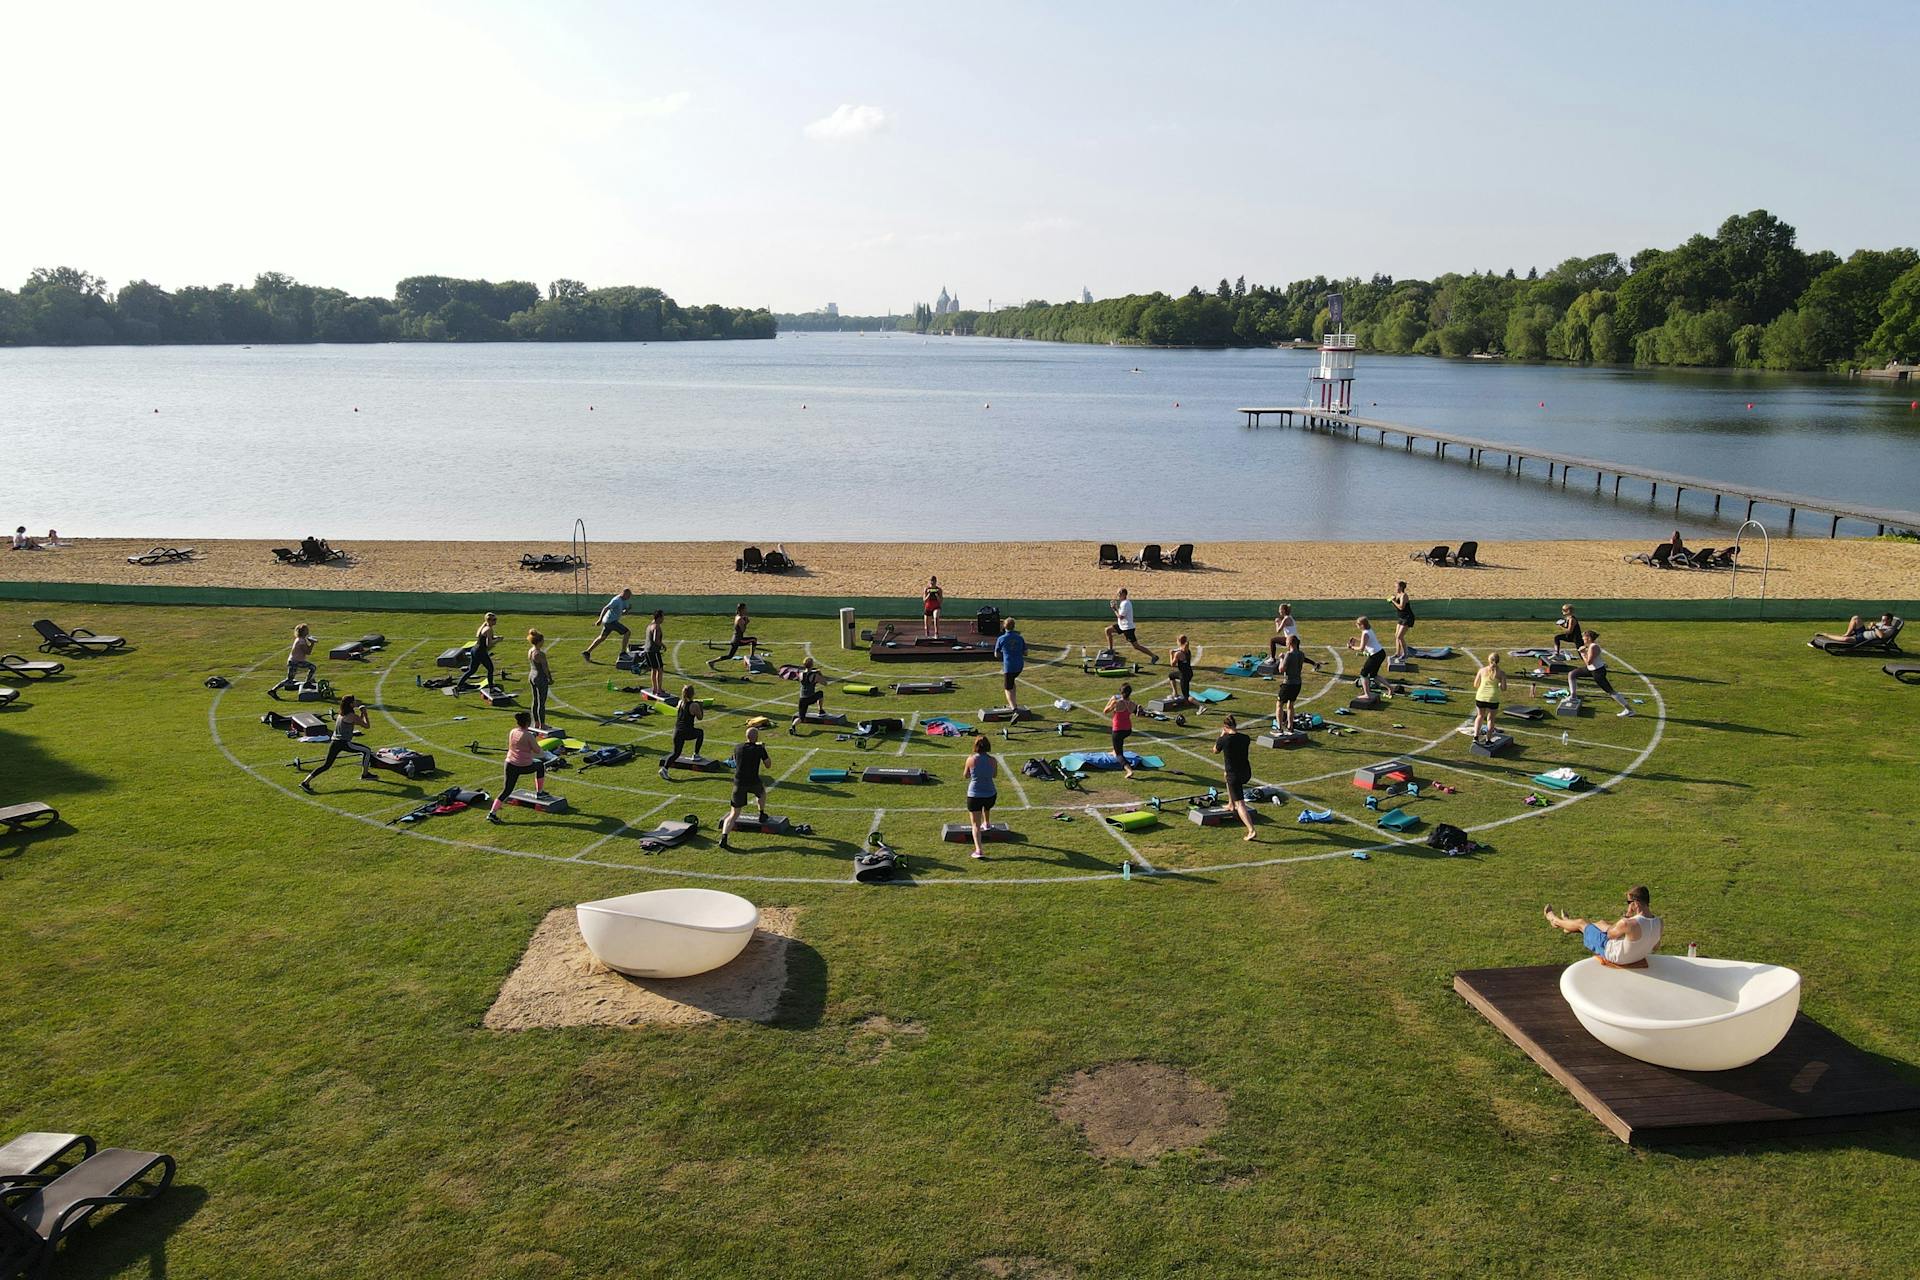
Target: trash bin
(849, 634)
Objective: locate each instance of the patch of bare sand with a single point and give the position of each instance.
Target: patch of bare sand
(1845, 569)
(1138, 1111)
(874, 1036)
(558, 983)
(1024, 1267)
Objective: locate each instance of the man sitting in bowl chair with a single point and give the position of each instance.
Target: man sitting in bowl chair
(1625, 943)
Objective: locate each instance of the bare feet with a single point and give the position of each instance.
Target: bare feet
(1250, 836)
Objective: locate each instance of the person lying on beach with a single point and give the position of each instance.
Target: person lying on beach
(1621, 944)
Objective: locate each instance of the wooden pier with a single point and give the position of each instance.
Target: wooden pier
(1477, 451)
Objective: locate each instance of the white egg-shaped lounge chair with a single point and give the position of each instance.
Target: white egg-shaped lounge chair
(1690, 1014)
(667, 933)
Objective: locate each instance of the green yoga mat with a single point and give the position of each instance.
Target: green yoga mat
(1134, 820)
(1398, 820)
(1212, 695)
(859, 688)
(1427, 695)
(828, 775)
(1558, 784)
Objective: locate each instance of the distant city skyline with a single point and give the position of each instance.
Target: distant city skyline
(845, 153)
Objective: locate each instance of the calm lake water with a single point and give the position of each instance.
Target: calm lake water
(838, 436)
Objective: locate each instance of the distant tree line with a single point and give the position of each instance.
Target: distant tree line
(1746, 296)
(62, 306)
(820, 322)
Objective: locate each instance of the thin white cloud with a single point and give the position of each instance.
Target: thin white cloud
(1048, 226)
(847, 123)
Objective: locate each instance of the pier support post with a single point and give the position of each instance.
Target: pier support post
(1835, 531)
(1677, 491)
(1791, 513)
(1749, 508)
(1716, 504)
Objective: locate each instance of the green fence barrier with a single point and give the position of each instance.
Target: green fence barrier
(869, 608)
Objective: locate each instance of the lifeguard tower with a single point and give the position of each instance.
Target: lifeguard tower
(1331, 390)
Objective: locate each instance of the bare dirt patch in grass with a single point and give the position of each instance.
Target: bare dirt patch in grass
(1024, 1267)
(1139, 1111)
(558, 983)
(874, 1036)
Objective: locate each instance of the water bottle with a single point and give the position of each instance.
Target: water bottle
(1693, 951)
(1563, 737)
(1126, 869)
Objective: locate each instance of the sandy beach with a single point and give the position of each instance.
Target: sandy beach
(1810, 568)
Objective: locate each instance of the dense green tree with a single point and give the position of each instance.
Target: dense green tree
(1898, 335)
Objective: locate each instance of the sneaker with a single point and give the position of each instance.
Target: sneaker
(663, 774)
(1624, 713)
(367, 776)
(587, 654)
(979, 855)
(494, 818)
(307, 787)
(724, 844)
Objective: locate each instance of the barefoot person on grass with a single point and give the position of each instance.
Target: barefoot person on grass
(1283, 627)
(300, 656)
(1368, 644)
(1593, 665)
(811, 695)
(610, 624)
(1402, 619)
(481, 653)
(1180, 670)
(749, 758)
(1122, 627)
(981, 791)
(1231, 747)
(656, 651)
(1120, 711)
(740, 637)
(1623, 943)
(686, 728)
(1293, 662)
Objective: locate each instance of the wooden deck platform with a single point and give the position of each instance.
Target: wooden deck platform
(1475, 451)
(901, 640)
(1814, 1082)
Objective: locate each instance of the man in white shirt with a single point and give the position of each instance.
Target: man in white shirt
(1122, 627)
(1623, 944)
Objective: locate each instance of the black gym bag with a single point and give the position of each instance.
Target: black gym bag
(987, 621)
(1451, 840)
(877, 863)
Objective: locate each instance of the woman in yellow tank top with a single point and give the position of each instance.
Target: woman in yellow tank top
(1489, 682)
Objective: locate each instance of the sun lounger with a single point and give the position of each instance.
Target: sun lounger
(40, 1217)
(24, 817)
(1872, 642)
(1436, 556)
(35, 1158)
(1904, 672)
(1661, 557)
(750, 561)
(777, 562)
(8, 695)
(1182, 557)
(162, 555)
(548, 562)
(79, 640)
(1110, 557)
(1468, 556)
(13, 664)
(1150, 557)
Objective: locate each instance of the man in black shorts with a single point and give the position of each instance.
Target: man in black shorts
(810, 694)
(749, 758)
(1231, 746)
(1293, 661)
(740, 637)
(686, 728)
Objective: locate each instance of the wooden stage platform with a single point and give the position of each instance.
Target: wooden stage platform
(1814, 1082)
(901, 640)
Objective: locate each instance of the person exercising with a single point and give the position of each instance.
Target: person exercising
(300, 657)
(611, 614)
(1623, 943)
(686, 728)
(749, 758)
(1593, 665)
(656, 653)
(1122, 625)
(1120, 711)
(1292, 667)
(1569, 632)
(981, 790)
(1402, 619)
(349, 717)
(1231, 746)
(1489, 682)
(930, 601)
(539, 678)
(1283, 627)
(1011, 648)
(1368, 644)
(1180, 670)
(811, 694)
(481, 654)
(740, 637)
(523, 757)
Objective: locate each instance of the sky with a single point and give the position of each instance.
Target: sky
(868, 154)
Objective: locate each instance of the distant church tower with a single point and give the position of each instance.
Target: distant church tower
(1333, 381)
(943, 304)
(1086, 294)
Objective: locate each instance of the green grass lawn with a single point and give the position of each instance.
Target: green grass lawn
(286, 994)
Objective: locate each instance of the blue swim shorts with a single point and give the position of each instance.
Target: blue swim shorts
(1594, 938)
